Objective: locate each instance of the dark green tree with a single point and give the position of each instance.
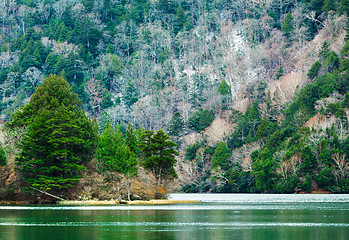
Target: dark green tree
(287, 28)
(224, 88)
(331, 61)
(130, 94)
(279, 73)
(107, 101)
(329, 5)
(3, 157)
(176, 125)
(132, 140)
(325, 49)
(201, 119)
(113, 152)
(60, 137)
(344, 7)
(314, 70)
(158, 154)
(221, 157)
(263, 170)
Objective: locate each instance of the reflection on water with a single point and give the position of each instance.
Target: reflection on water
(218, 216)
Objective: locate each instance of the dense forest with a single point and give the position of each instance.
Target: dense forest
(119, 78)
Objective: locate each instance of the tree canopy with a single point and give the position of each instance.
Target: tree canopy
(60, 138)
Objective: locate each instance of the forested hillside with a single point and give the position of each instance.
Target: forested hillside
(254, 93)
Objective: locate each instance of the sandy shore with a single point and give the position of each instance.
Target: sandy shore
(113, 202)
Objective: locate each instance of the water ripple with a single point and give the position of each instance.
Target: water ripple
(174, 224)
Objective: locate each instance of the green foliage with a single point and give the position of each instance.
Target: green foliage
(344, 7)
(130, 94)
(191, 151)
(60, 137)
(325, 49)
(201, 119)
(314, 70)
(114, 154)
(287, 28)
(221, 157)
(280, 72)
(263, 170)
(107, 102)
(3, 157)
(331, 61)
(158, 154)
(224, 88)
(176, 125)
(262, 130)
(308, 159)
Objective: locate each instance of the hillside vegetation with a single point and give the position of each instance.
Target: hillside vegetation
(254, 94)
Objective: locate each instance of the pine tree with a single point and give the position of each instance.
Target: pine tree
(314, 70)
(107, 101)
(280, 72)
(325, 49)
(344, 7)
(263, 170)
(176, 125)
(114, 154)
(287, 28)
(224, 88)
(158, 154)
(60, 137)
(130, 94)
(132, 139)
(3, 158)
(221, 156)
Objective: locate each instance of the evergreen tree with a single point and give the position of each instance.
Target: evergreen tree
(201, 119)
(329, 5)
(113, 152)
(344, 7)
(287, 28)
(325, 49)
(331, 61)
(3, 157)
(176, 125)
(224, 88)
(263, 170)
(158, 154)
(262, 130)
(280, 72)
(132, 139)
(60, 137)
(221, 157)
(314, 70)
(130, 94)
(107, 101)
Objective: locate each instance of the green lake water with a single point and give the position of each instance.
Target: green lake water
(217, 216)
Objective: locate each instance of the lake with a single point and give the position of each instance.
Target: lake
(217, 216)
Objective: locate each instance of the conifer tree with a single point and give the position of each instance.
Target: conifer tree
(287, 27)
(176, 125)
(158, 154)
(60, 138)
(224, 88)
(325, 49)
(3, 158)
(221, 157)
(114, 154)
(280, 72)
(314, 70)
(130, 94)
(132, 139)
